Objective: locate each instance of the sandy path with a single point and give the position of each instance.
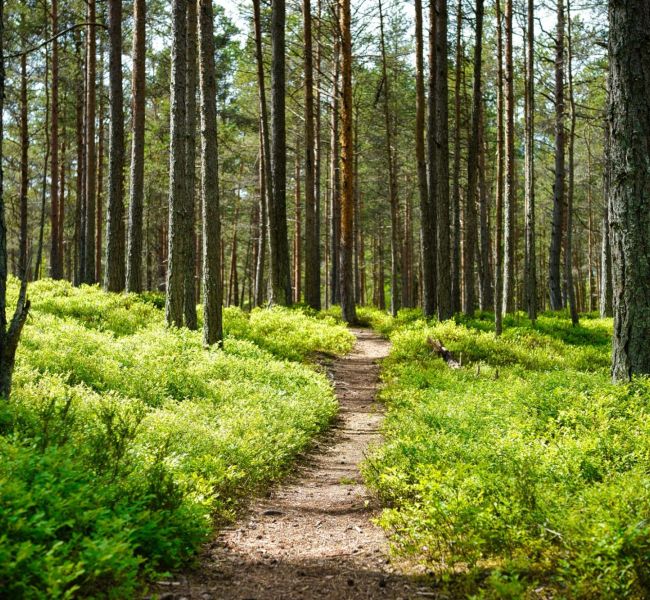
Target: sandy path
(312, 537)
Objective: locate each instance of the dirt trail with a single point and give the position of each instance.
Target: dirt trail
(312, 537)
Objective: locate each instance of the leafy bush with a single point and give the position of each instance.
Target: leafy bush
(526, 463)
(125, 439)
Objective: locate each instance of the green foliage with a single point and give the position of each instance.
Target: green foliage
(526, 463)
(125, 439)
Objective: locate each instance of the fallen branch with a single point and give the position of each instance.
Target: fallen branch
(437, 347)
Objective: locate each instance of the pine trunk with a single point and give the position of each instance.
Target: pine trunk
(629, 200)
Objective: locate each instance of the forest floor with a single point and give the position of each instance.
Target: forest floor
(313, 535)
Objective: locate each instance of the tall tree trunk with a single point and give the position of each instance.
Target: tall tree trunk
(177, 167)
(554, 277)
(427, 222)
(136, 201)
(297, 238)
(455, 190)
(392, 178)
(335, 179)
(629, 214)
(606, 291)
(61, 216)
(498, 267)
(189, 255)
(79, 227)
(348, 309)
(89, 275)
(10, 335)
(472, 169)
(312, 243)
(266, 150)
(509, 189)
(115, 275)
(258, 294)
(485, 261)
(24, 160)
(55, 259)
(568, 251)
(530, 274)
(280, 263)
(430, 306)
(46, 164)
(99, 212)
(445, 299)
(211, 225)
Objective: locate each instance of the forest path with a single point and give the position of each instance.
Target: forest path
(312, 537)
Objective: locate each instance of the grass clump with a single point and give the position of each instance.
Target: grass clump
(124, 440)
(524, 470)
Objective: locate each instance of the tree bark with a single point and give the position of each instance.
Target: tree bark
(498, 267)
(211, 225)
(312, 243)
(445, 299)
(606, 291)
(427, 222)
(509, 188)
(265, 153)
(455, 189)
(335, 179)
(115, 275)
(297, 237)
(568, 244)
(485, 271)
(629, 200)
(10, 335)
(554, 277)
(189, 241)
(55, 259)
(136, 201)
(430, 305)
(177, 167)
(472, 169)
(46, 164)
(89, 275)
(280, 263)
(392, 179)
(348, 309)
(530, 272)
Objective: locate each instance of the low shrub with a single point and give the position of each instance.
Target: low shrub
(526, 464)
(125, 440)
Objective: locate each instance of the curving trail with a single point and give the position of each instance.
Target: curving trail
(312, 537)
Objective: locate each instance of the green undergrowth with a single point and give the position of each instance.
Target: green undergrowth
(525, 473)
(125, 440)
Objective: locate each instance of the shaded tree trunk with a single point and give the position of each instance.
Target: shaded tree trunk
(430, 306)
(427, 222)
(56, 265)
(472, 169)
(46, 164)
(348, 309)
(189, 255)
(498, 267)
(280, 263)
(455, 190)
(211, 225)
(606, 291)
(115, 275)
(335, 180)
(89, 275)
(312, 230)
(485, 271)
(530, 272)
(136, 203)
(9, 332)
(392, 179)
(445, 298)
(509, 188)
(554, 277)
(177, 167)
(568, 243)
(629, 200)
